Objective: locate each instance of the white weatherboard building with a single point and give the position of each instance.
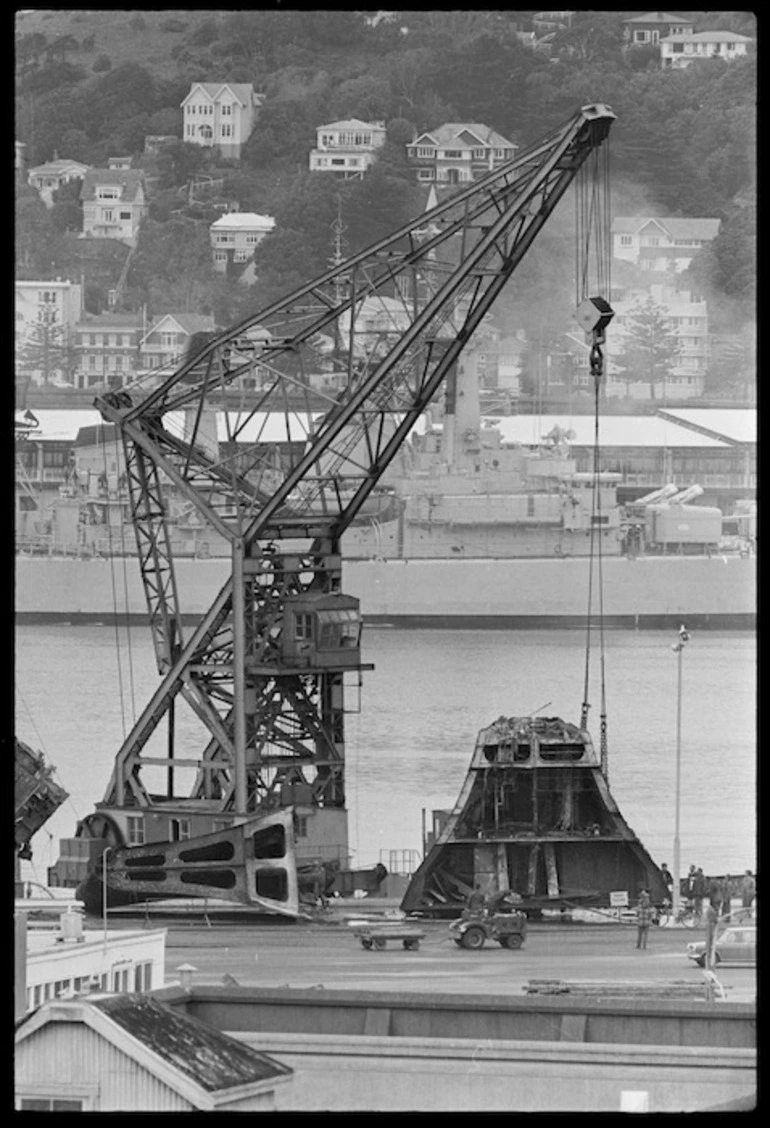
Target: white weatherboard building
(678, 51)
(660, 244)
(458, 152)
(347, 148)
(220, 115)
(235, 236)
(48, 177)
(114, 203)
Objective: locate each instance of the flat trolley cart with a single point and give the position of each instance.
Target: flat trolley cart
(377, 936)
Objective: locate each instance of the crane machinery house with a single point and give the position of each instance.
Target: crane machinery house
(114, 203)
(347, 148)
(220, 115)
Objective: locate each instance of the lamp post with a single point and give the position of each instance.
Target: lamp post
(678, 648)
(105, 852)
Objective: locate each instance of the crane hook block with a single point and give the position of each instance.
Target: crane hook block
(593, 315)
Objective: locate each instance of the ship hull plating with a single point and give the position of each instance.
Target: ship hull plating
(535, 816)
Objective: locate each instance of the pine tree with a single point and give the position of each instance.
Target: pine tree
(650, 346)
(49, 352)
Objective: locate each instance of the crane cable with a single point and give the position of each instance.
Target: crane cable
(592, 207)
(116, 617)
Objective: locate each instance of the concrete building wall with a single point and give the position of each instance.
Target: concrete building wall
(429, 1075)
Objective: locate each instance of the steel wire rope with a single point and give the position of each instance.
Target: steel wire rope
(113, 584)
(124, 557)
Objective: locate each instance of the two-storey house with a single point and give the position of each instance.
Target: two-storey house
(107, 346)
(220, 115)
(165, 342)
(49, 177)
(45, 316)
(678, 51)
(235, 235)
(347, 148)
(114, 203)
(458, 152)
(658, 244)
(651, 27)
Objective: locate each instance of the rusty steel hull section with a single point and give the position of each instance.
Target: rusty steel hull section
(536, 816)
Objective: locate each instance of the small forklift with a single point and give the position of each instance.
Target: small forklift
(472, 930)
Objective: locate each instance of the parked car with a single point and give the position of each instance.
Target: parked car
(735, 945)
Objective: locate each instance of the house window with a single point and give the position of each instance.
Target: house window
(453, 154)
(240, 256)
(135, 830)
(49, 1104)
(143, 977)
(220, 256)
(108, 215)
(425, 151)
(227, 110)
(125, 214)
(111, 192)
(227, 130)
(641, 37)
(118, 363)
(252, 238)
(626, 240)
(480, 154)
(338, 161)
(425, 174)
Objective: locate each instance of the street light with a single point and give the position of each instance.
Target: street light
(678, 648)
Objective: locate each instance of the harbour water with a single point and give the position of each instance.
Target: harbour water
(410, 739)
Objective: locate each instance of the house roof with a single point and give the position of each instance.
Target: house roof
(708, 37)
(198, 1061)
(53, 168)
(658, 17)
(187, 322)
(243, 91)
(615, 431)
(109, 320)
(353, 123)
(130, 179)
(676, 227)
(733, 424)
(246, 220)
(451, 131)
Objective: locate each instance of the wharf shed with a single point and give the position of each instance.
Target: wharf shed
(652, 450)
(132, 1053)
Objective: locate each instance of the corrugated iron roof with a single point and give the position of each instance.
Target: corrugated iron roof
(658, 17)
(708, 37)
(734, 424)
(353, 123)
(208, 1057)
(243, 219)
(614, 431)
(130, 179)
(243, 91)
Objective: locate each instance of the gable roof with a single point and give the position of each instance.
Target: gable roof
(54, 168)
(198, 1061)
(242, 91)
(131, 180)
(676, 227)
(708, 37)
(187, 322)
(658, 17)
(452, 130)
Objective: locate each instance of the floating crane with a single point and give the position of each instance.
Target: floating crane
(265, 671)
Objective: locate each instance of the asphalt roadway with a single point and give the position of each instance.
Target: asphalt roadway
(326, 953)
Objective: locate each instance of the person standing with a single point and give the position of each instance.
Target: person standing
(748, 889)
(712, 917)
(699, 889)
(644, 915)
(716, 894)
(476, 902)
(668, 878)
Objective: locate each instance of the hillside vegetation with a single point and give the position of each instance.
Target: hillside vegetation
(90, 85)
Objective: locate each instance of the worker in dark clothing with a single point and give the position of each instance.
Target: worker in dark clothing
(668, 877)
(644, 915)
(699, 890)
(477, 902)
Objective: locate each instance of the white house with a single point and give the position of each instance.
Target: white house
(677, 51)
(458, 152)
(168, 337)
(114, 203)
(45, 317)
(48, 177)
(235, 235)
(652, 243)
(347, 148)
(220, 115)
